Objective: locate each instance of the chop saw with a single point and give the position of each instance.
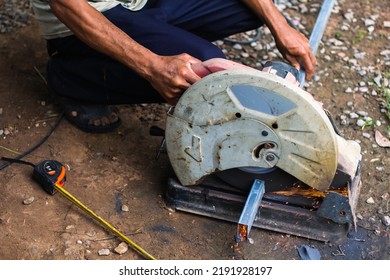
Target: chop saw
(254, 148)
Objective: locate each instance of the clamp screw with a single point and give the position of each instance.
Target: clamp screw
(270, 157)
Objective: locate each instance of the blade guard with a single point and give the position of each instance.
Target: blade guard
(243, 117)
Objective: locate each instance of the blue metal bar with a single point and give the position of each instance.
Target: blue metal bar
(318, 32)
(250, 210)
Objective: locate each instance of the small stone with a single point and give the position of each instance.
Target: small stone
(377, 80)
(70, 228)
(125, 208)
(1, 111)
(99, 154)
(6, 131)
(360, 122)
(385, 53)
(375, 17)
(344, 122)
(362, 113)
(353, 115)
(122, 248)
(380, 168)
(370, 200)
(79, 242)
(366, 135)
(104, 252)
(386, 24)
(386, 220)
(1, 132)
(342, 54)
(369, 22)
(352, 61)
(349, 90)
(368, 119)
(349, 16)
(91, 233)
(359, 55)
(363, 73)
(336, 42)
(359, 216)
(363, 89)
(28, 201)
(385, 196)
(237, 47)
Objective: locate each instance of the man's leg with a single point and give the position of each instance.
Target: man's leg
(79, 73)
(211, 20)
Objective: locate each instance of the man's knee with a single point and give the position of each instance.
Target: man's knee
(211, 51)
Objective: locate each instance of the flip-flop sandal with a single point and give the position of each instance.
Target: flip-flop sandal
(85, 115)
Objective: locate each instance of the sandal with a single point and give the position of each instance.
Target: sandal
(91, 118)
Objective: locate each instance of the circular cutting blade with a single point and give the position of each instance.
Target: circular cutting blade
(242, 179)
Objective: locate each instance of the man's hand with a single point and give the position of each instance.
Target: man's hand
(171, 75)
(292, 44)
(295, 48)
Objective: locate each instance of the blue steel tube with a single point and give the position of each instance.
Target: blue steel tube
(318, 32)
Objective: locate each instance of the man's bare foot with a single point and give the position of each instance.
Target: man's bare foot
(91, 118)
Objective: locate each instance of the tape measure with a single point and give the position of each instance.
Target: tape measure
(49, 173)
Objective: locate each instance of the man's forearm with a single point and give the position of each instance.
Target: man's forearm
(269, 13)
(90, 26)
(292, 44)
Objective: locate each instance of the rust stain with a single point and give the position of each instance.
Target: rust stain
(311, 192)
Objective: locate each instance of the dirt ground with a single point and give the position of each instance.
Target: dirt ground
(112, 171)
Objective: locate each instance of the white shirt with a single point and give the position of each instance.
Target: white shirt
(52, 27)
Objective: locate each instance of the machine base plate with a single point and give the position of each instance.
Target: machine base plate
(280, 213)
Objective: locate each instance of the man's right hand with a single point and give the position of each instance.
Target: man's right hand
(171, 75)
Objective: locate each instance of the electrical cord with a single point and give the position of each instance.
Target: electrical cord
(43, 140)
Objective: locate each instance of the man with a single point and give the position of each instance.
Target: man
(105, 52)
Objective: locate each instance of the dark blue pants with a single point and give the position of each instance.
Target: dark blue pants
(166, 27)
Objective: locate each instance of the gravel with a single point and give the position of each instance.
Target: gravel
(13, 14)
